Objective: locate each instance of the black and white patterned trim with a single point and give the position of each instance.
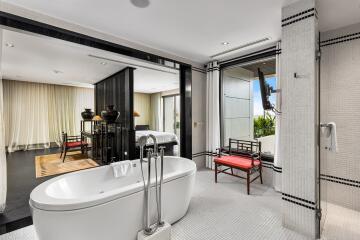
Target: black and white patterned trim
(299, 201)
(341, 39)
(270, 165)
(312, 12)
(344, 181)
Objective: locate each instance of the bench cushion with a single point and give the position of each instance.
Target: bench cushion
(75, 144)
(236, 161)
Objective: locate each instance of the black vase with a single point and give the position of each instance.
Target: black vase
(87, 114)
(110, 114)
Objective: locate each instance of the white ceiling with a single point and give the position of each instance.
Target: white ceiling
(335, 14)
(37, 59)
(188, 28)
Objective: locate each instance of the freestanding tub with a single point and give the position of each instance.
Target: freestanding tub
(93, 205)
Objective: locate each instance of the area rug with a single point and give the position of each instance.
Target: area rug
(48, 165)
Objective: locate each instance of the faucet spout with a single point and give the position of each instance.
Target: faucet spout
(155, 143)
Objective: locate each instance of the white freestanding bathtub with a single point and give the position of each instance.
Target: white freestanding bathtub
(93, 205)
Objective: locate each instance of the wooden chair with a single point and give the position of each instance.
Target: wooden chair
(72, 142)
(242, 155)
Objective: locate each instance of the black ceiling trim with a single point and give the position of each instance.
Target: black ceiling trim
(25, 24)
(257, 55)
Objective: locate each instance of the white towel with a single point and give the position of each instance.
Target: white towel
(331, 137)
(122, 168)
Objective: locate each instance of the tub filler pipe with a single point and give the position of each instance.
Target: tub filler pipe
(152, 154)
(160, 221)
(148, 230)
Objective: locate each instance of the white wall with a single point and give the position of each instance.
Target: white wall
(267, 144)
(340, 100)
(142, 106)
(198, 116)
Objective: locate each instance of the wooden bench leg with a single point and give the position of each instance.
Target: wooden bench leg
(216, 172)
(61, 153)
(65, 151)
(248, 182)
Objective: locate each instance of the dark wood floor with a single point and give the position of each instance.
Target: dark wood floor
(21, 181)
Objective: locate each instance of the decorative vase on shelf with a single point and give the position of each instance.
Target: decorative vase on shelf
(110, 115)
(87, 114)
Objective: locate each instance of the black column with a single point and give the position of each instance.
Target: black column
(185, 111)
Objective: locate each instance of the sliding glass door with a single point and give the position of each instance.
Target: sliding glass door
(171, 119)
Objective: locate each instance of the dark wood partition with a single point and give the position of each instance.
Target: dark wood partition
(118, 90)
(186, 111)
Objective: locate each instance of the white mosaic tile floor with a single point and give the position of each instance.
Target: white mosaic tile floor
(220, 211)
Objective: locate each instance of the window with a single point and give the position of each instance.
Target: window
(242, 114)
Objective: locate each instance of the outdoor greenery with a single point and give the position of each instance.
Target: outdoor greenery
(264, 125)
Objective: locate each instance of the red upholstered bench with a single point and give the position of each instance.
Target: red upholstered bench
(72, 142)
(249, 163)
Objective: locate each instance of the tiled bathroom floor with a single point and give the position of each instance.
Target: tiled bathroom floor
(220, 211)
(341, 224)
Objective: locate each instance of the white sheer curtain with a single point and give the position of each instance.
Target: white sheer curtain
(36, 114)
(156, 112)
(277, 157)
(3, 171)
(26, 114)
(212, 112)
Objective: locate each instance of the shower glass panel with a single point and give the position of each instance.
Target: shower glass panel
(340, 163)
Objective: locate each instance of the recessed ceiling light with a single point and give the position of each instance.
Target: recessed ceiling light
(225, 43)
(140, 3)
(9, 45)
(57, 71)
(103, 63)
